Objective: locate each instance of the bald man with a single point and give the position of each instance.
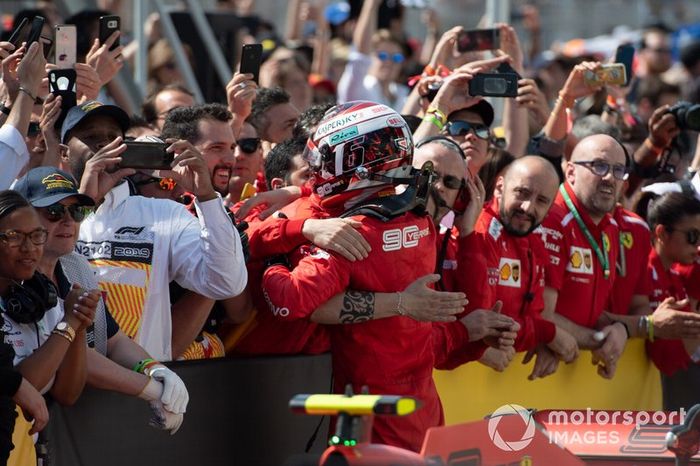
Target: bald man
(507, 238)
(582, 240)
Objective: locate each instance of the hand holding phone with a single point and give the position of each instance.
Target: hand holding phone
(251, 58)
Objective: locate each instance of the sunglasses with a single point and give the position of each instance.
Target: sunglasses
(165, 184)
(691, 236)
(14, 238)
(56, 212)
(395, 57)
(449, 181)
(462, 128)
(249, 145)
(600, 168)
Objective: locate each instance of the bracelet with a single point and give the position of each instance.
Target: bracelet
(5, 109)
(63, 334)
(567, 101)
(650, 327)
(141, 365)
(430, 118)
(23, 89)
(439, 114)
(398, 305)
(642, 325)
(653, 148)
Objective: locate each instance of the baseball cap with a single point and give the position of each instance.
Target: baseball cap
(481, 108)
(45, 186)
(90, 108)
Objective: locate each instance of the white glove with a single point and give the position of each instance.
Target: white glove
(174, 396)
(163, 419)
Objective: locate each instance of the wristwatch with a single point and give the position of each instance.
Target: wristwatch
(64, 329)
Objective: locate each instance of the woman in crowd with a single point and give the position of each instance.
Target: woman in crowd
(674, 219)
(13, 387)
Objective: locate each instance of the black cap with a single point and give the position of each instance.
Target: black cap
(481, 108)
(92, 107)
(45, 186)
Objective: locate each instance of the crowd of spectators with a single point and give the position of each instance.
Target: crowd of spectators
(356, 200)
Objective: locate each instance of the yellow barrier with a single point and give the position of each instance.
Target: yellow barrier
(473, 391)
(23, 453)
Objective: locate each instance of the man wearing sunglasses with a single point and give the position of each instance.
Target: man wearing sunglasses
(583, 244)
(139, 245)
(470, 127)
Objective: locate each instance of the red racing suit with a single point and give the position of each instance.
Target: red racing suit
(632, 277)
(513, 272)
(574, 268)
(669, 356)
(392, 355)
(264, 334)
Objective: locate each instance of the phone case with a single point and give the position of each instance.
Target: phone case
(150, 155)
(109, 24)
(35, 31)
(251, 58)
(17, 33)
(66, 51)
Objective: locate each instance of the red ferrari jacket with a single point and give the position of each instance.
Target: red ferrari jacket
(265, 334)
(574, 269)
(669, 356)
(513, 274)
(392, 355)
(451, 344)
(632, 277)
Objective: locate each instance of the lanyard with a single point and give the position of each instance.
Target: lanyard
(602, 255)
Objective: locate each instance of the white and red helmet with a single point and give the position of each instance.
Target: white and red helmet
(359, 145)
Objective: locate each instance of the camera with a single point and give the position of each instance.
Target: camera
(501, 84)
(687, 115)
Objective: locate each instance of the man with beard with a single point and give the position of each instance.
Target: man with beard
(506, 238)
(579, 224)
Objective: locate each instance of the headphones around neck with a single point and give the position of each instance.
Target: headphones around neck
(27, 302)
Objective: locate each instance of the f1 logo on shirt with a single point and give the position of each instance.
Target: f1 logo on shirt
(509, 272)
(580, 261)
(398, 238)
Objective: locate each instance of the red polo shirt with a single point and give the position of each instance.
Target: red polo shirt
(668, 355)
(632, 277)
(690, 274)
(574, 269)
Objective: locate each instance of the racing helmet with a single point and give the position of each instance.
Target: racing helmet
(359, 147)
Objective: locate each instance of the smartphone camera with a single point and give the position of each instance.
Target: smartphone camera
(112, 24)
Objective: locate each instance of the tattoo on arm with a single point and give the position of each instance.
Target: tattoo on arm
(358, 306)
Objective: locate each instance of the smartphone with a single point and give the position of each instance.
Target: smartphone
(251, 58)
(142, 154)
(479, 39)
(35, 31)
(625, 55)
(109, 24)
(607, 74)
(494, 85)
(16, 37)
(66, 49)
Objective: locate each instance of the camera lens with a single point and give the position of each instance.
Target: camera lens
(495, 85)
(692, 118)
